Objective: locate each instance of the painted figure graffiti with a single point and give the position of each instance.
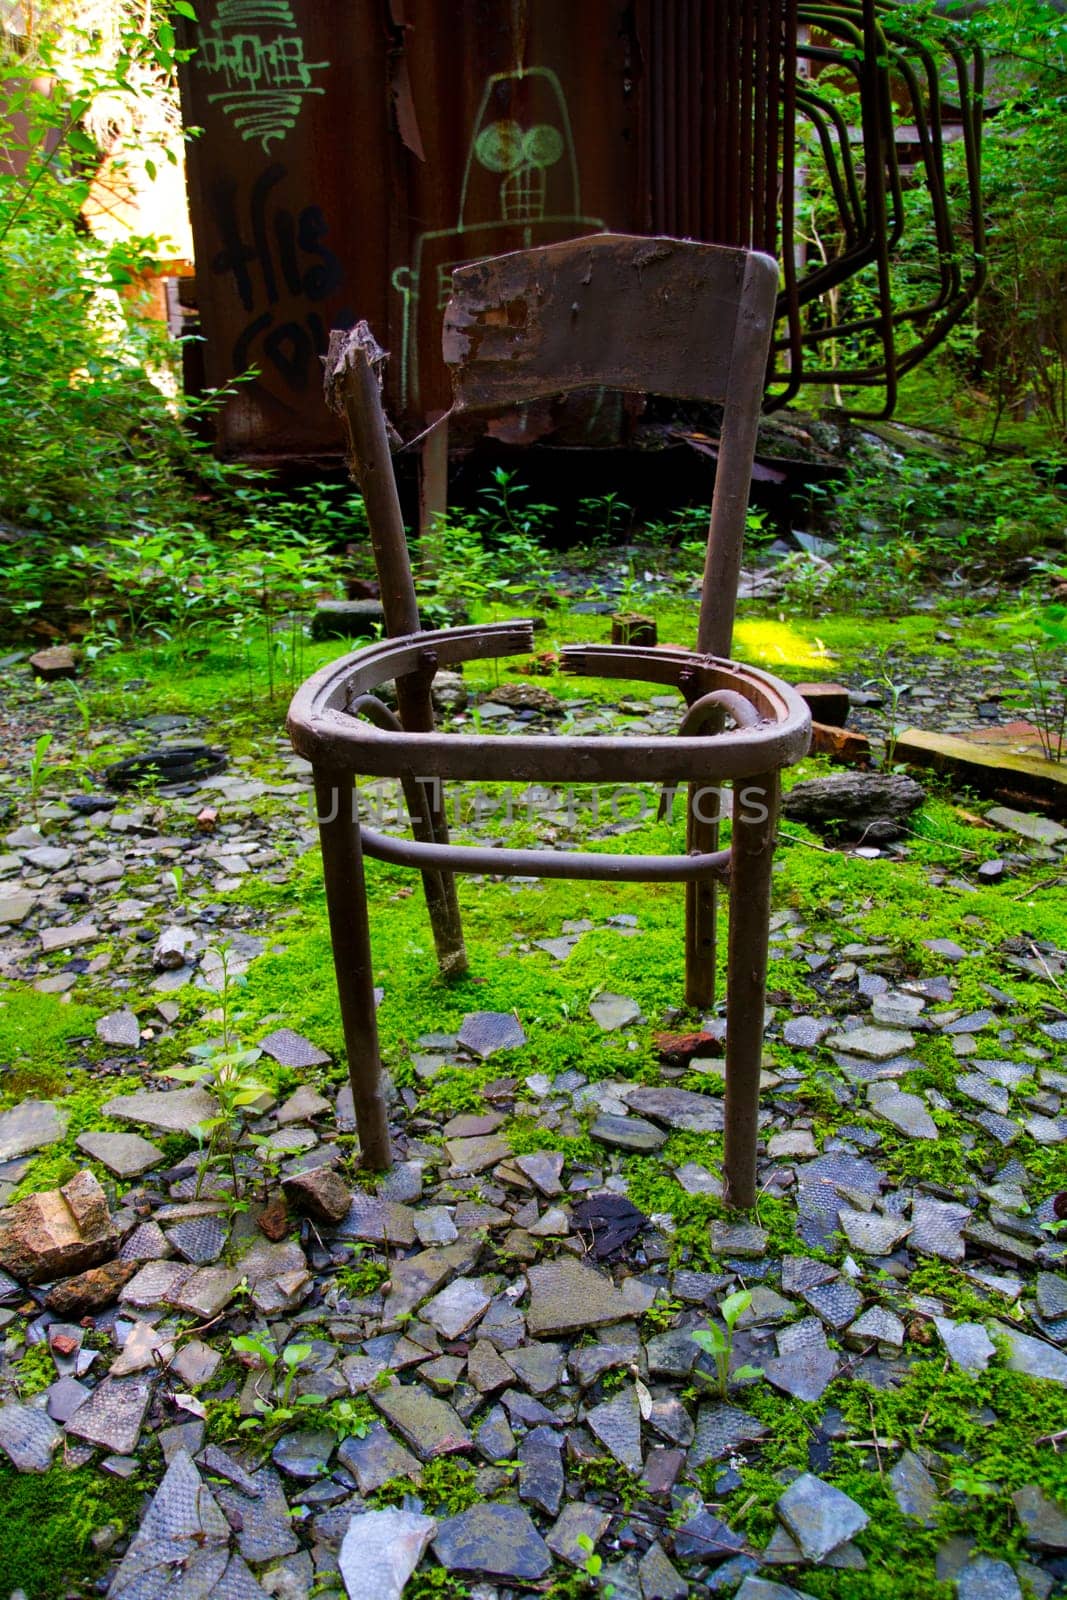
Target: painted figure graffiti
(270, 263)
(253, 46)
(520, 188)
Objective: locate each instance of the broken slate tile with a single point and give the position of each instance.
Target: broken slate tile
(29, 1126)
(376, 1458)
(937, 1228)
(905, 1111)
(260, 1518)
(805, 1364)
(183, 1530)
(627, 1133)
(1044, 1523)
(873, 1044)
(1033, 1357)
(659, 1579)
(878, 1324)
(155, 1284)
(127, 1155)
(676, 1108)
(291, 1049)
(914, 1489)
(28, 1436)
(577, 1520)
(111, 1418)
(201, 1240)
(613, 1011)
(376, 1221)
(871, 1233)
(456, 1309)
(381, 1550)
(429, 1425)
(120, 1028)
(494, 1440)
(567, 1295)
(704, 1537)
(819, 1517)
(304, 1454)
(617, 1424)
(207, 1291)
(537, 1366)
(472, 1156)
(170, 1110)
(541, 1470)
(544, 1169)
(986, 1578)
(485, 1032)
(720, 1430)
(493, 1540)
(968, 1344)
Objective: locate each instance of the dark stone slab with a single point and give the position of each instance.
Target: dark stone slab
(376, 1458)
(541, 1470)
(429, 1425)
(494, 1541)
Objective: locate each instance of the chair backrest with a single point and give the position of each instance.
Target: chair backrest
(659, 316)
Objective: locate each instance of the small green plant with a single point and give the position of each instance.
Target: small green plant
(358, 1278)
(1042, 683)
(41, 770)
(225, 1068)
(176, 878)
(886, 679)
(593, 1565)
(661, 1314)
(273, 1414)
(718, 1342)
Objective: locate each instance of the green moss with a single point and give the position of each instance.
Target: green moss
(36, 1034)
(35, 1370)
(49, 1520)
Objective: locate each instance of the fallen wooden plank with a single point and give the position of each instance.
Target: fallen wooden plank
(989, 769)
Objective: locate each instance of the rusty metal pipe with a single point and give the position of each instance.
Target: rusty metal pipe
(346, 904)
(480, 861)
(752, 859)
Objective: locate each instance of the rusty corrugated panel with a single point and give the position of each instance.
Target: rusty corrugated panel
(711, 121)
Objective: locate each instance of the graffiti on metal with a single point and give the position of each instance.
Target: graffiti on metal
(270, 253)
(254, 47)
(520, 189)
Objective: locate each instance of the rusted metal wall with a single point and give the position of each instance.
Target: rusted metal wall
(355, 151)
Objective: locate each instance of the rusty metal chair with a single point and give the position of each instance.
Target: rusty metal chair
(664, 316)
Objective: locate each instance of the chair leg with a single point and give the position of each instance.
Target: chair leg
(346, 903)
(701, 904)
(751, 862)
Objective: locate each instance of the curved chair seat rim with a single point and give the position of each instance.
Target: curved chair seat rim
(325, 734)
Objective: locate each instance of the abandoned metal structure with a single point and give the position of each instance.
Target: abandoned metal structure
(354, 153)
(632, 314)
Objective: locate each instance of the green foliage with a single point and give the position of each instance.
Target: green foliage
(360, 1277)
(718, 1342)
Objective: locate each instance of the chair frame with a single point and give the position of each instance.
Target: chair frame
(500, 339)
